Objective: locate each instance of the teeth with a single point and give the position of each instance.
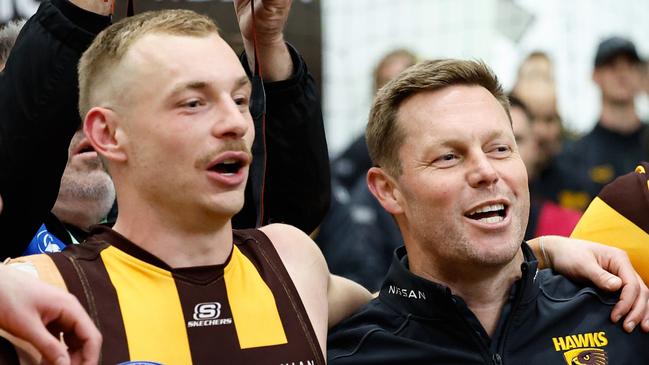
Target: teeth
(229, 161)
(488, 208)
(495, 219)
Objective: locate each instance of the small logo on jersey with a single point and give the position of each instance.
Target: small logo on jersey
(44, 242)
(211, 310)
(406, 293)
(602, 174)
(307, 362)
(139, 363)
(207, 314)
(583, 348)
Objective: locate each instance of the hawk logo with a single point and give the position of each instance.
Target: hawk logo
(590, 356)
(583, 348)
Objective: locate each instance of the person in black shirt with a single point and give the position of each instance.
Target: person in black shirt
(465, 288)
(618, 140)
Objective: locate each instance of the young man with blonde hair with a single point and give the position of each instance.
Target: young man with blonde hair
(465, 289)
(165, 103)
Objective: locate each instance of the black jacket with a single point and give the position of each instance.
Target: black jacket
(38, 116)
(587, 165)
(548, 320)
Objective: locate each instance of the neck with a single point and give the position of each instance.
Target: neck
(619, 117)
(165, 234)
(485, 290)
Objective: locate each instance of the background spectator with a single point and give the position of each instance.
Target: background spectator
(8, 35)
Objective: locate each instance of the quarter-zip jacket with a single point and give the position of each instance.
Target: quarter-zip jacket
(547, 320)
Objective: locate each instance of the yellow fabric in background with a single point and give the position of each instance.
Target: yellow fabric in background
(601, 223)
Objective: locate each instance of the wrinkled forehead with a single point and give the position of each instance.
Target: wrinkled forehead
(446, 108)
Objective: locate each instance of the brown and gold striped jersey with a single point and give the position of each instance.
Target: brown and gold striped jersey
(619, 217)
(245, 311)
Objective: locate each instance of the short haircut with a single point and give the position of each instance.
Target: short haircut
(8, 35)
(384, 136)
(110, 46)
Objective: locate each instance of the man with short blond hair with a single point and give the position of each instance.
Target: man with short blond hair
(165, 102)
(465, 289)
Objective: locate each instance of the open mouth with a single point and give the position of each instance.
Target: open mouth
(230, 166)
(492, 213)
(86, 149)
(83, 147)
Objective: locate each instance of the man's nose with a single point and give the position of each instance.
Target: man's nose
(232, 121)
(481, 171)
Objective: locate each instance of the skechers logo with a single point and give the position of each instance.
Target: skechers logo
(406, 293)
(207, 314)
(583, 348)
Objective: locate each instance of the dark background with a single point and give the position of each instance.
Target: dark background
(302, 30)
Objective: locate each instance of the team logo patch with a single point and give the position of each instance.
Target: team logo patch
(44, 242)
(590, 356)
(583, 348)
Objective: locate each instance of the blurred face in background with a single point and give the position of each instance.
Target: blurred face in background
(87, 192)
(536, 68)
(645, 77)
(391, 65)
(619, 80)
(540, 98)
(527, 144)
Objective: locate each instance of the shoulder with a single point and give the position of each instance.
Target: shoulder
(365, 333)
(295, 248)
(562, 291)
(40, 266)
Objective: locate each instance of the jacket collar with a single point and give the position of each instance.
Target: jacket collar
(408, 293)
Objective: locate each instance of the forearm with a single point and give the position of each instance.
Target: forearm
(274, 59)
(297, 186)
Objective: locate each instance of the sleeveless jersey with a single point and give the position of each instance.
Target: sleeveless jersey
(245, 311)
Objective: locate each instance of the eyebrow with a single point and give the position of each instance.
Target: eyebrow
(438, 142)
(201, 85)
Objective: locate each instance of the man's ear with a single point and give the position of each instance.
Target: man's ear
(385, 189)
(101, 129)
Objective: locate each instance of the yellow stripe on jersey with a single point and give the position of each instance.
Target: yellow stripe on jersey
(252, 303)
(151, 310)
(601, 223)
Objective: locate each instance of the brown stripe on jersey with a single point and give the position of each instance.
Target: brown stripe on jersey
(302, 342)
(93, 287)
(208, 319)
(629, 196)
